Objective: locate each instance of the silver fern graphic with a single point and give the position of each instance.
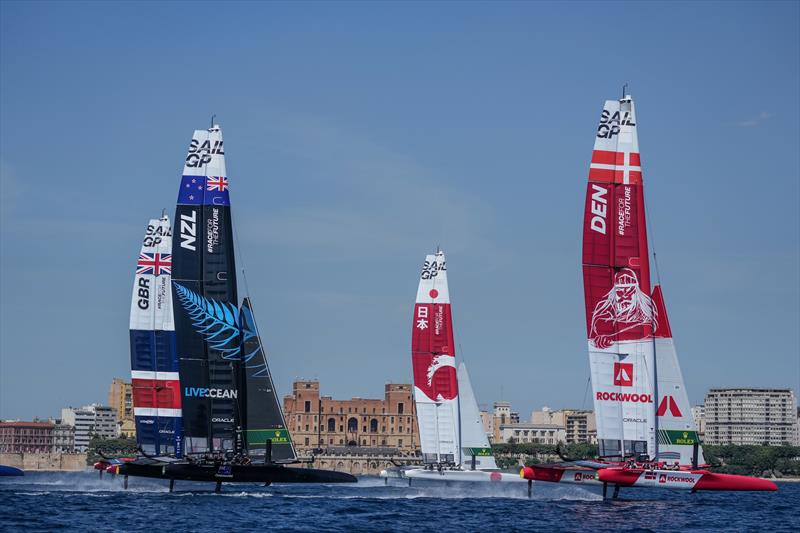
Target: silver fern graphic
(217, 322)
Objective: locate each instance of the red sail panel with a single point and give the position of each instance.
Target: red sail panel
(433, 351)
(615, 258)
(664, 330)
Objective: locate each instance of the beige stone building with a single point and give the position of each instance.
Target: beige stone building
(320, 422)
(526, 432)
(750, 416)
(579, 425)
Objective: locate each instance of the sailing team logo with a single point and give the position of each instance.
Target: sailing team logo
(624, 308)
(623, 374)
(155, 264)
(217, 322)
(668, 402)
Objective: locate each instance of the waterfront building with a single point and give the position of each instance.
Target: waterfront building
(63, 436)
(579, 424)
(750, 416)
(501, 412)
(320, 422)
(26, 437)
(120, 397)
(90, 420)
(528, 432)
(698, 414)
(126, 429)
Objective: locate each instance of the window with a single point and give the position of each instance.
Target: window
(399, 442)
(400, 407)
(331, 425)
(352, 425)
(308, 406)
(306, 441)
(373, 425)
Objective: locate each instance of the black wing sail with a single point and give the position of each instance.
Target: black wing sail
(205, 299)
(264, 417)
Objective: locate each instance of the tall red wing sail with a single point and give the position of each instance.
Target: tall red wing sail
(620, 316)
(433, 360)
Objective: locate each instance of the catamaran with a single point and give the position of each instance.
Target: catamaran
(205, 406)
(646, 433)
(453, 442)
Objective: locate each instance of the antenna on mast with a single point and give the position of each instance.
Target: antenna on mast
(624, 89)
(163, 213)
(212, 119)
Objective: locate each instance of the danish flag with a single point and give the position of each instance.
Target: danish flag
(218, 183)
(155, 264)
(615, 167)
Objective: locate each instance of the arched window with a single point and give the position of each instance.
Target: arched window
(331, 425)
(352, 425)
(373, 425)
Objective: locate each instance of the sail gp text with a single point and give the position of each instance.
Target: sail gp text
(609, 124)
(200, 153)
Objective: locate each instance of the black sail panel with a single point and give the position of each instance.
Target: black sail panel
(264, 416)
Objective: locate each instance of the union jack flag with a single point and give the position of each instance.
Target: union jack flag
(155, 264)
(218, 183)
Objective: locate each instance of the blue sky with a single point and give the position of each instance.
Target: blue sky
(359, 137)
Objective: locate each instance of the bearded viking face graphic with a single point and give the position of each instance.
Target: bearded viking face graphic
(625, 308)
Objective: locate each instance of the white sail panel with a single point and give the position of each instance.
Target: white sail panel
(474, 441)
(151, 302)
(206, 154)
(623, 383)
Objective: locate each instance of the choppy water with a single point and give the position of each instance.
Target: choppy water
(83, 501)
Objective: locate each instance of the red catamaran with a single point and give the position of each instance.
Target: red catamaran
(645, 430)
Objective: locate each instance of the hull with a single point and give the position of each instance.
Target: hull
(470, 476)
(692, 480)
(232, 473)
(10, 471)
(577, 476)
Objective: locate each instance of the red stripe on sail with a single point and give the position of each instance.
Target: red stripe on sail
(156, 393)
(635, 162)
(605, 157)
(602, 175)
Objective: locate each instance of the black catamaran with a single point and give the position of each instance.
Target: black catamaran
(224, 421)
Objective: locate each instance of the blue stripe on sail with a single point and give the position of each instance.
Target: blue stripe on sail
(143, 350)
(166, 359)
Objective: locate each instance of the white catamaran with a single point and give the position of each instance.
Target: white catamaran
(454, 445)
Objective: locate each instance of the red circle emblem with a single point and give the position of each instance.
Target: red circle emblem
(434, 293)
(495, 476)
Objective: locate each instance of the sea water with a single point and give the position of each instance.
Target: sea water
(85, 501)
